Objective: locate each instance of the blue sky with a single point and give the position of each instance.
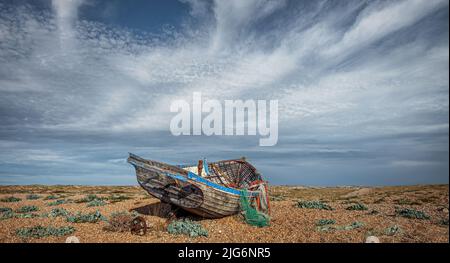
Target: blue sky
(363, 87)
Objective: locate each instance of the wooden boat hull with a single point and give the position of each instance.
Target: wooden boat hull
(192, 194)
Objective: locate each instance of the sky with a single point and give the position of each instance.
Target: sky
(362, 87)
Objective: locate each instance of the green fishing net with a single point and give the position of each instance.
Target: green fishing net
(252, 216)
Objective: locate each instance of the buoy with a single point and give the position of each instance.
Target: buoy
(372, 239)
(72, 239)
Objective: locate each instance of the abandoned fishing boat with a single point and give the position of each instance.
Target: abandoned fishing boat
(210, 190)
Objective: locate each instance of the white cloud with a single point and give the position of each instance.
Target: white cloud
(232, 17)
(108, 79)
(378, 22)
(66, 12)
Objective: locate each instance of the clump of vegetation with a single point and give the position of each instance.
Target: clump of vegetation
(57, 202)
(10, 199)
(33, 197)
(118, 198)
(444, 222)
(358, 207)
(187, 227)
(26, 215)
(27, 209)
(411, 213)
(325, 228)
(85, 218)
(392, 230)
(10, 214)
(51, 197)
(40, 231)
(6, 215)
(58, 212)
(96, 202)
(373, 212)
(22, 212)
(5, 209)
(314, 205)
(324, 222)
(120, 221)
(88, 198)
(353, 225)
(328, 227)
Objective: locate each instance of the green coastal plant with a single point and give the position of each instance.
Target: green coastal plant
(55, 212)
(324, 222)
(27, 209)
(11, 214)
(5, 209)
(96, 202)
(26, 215)
(85, 218)
(51, 197)
(314, 205)
(40, 231)
(10, 199)
(353, 225)
(411, 213)
(117, 198)
(328, 227)
(187, 227)
(6, 215)
(357, 207)
(88, 198)
(33, 197)
(57, 202)
(392, 230)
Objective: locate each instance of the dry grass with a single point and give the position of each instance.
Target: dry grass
(289, 223)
